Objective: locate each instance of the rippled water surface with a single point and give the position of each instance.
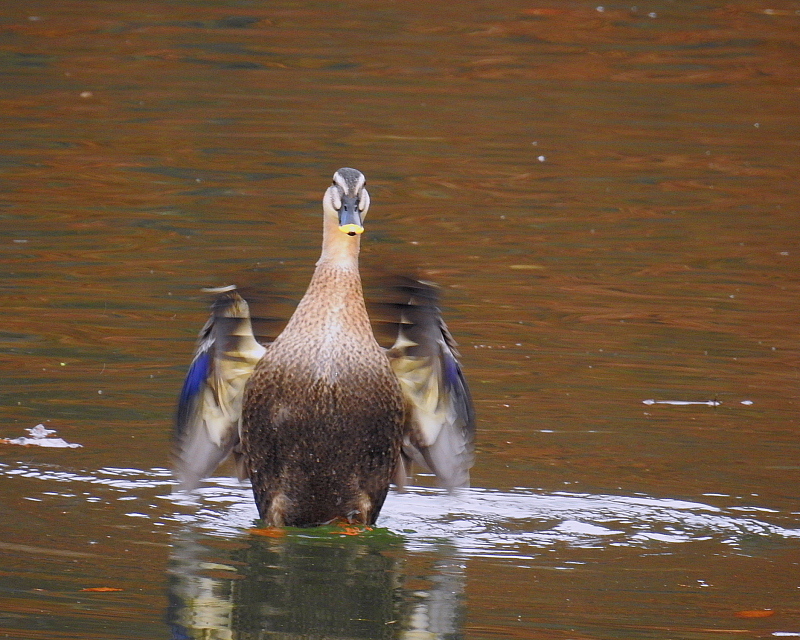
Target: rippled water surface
(607, 195)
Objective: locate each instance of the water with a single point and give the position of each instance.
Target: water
(409, 575)
(608, 199)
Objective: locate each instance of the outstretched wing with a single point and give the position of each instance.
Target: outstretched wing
(210, 405)
(440, 423)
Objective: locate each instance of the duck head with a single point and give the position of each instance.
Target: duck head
(347, 200)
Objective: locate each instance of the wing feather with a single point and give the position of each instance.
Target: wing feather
(210, 405)
(440, 428)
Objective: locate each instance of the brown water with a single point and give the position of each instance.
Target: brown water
(609, 199)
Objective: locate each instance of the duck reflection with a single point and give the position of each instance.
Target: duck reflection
(313, 584)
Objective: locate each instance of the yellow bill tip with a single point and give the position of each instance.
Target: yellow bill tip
(352, 229)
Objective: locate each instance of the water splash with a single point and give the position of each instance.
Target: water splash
(515, 524)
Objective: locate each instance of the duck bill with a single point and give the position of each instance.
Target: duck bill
(350, 217)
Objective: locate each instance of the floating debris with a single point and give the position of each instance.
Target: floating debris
(39, 438)
(681, 403)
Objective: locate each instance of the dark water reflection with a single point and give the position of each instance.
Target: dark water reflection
(608, 196)
(319, 584)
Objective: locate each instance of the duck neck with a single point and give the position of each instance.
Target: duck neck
(335, 288)
(339, 250)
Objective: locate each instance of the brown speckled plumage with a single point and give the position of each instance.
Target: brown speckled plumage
(323, 417)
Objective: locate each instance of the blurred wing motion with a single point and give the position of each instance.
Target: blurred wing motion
(210, 407)
(440, 423)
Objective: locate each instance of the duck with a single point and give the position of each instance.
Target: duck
(322, 420)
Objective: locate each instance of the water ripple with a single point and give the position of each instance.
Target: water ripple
(478, 522)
